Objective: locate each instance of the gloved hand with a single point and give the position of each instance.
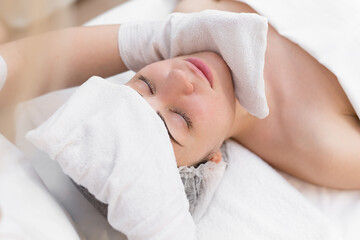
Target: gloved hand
(3, 72)
(240, 38)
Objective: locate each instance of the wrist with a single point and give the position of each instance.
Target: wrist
(144, 42)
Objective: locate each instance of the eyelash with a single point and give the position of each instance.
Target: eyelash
(182, 114)
(148, 83)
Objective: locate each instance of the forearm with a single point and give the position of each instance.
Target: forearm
(60, 59)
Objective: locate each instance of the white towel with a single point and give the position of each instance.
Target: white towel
(240, 38)
(254, 202)
(3, 72)
(108, 139)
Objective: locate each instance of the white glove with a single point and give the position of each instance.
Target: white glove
(240, 38)
(3, 72)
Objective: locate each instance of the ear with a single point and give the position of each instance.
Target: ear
(216, 158)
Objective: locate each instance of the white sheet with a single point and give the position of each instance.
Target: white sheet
(27, 209)
(341, 207)
(254, 202)
(327, 30)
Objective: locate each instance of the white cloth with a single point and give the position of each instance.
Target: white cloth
(108, 139)
(327, 30)
(341, 206)
(33, 113)
(27, 210)
(200, 184)
(253, 201)
(240, 38)
(3, 72)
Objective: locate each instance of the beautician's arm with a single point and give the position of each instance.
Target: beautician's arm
(60, 59)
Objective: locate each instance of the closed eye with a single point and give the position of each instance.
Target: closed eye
(151, 86)
(170, 135)
(184, 116)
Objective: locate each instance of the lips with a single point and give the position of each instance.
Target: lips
(202, 68)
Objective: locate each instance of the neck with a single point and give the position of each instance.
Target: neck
(242, 124)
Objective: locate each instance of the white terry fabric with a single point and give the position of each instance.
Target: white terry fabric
(108, 139)
(327, 30)
(3, 72)
(338, 205)
(240, 38)
(254, 202)
(31, 114)
(27, 210)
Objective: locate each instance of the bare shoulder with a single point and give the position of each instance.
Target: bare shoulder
(336, 161)
(318, 147)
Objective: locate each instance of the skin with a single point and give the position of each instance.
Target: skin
(179, 88)
(312, 131)
(309, 113)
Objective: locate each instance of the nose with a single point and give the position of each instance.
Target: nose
(179, 82)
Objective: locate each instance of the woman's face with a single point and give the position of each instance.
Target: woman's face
(194, 96)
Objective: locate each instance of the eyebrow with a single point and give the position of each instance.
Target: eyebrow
(162, 118)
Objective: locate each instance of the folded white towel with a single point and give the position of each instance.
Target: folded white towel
(3, 72)
(240, 38)
(108, 139)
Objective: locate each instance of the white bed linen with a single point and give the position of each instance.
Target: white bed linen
(27, 209)
(341, 207)
(327, 30)
(254, 201)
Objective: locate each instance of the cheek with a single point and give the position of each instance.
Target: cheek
(186, 157)
(215, 120)
(212, 111)
(193, 154)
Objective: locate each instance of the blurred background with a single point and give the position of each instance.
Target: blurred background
(21, 18)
